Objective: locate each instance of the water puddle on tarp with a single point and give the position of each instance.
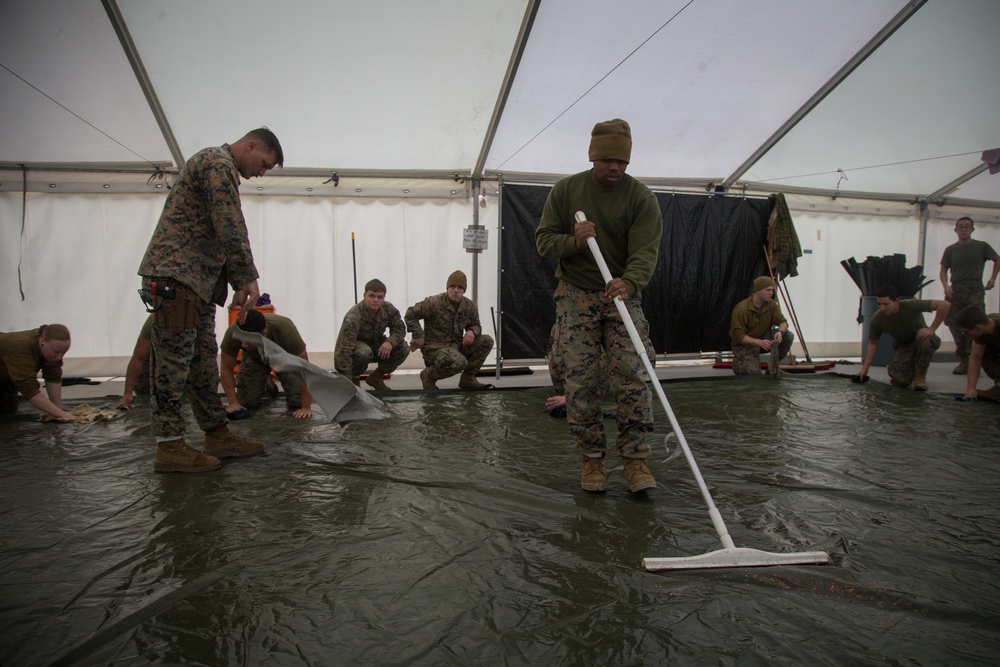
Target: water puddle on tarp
(455, 533)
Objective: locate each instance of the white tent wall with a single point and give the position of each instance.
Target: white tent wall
(825, 298)
(81, 252)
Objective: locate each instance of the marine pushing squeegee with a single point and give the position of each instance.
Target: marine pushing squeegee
(730, 555)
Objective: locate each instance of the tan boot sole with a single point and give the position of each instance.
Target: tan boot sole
(173, 467)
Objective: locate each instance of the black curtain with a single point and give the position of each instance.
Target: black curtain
(712, 249)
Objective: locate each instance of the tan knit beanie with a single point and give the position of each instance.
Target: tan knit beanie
(762, 282)
(457, 278)
(611, 140)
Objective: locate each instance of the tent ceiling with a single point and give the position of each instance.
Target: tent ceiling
(779, 94)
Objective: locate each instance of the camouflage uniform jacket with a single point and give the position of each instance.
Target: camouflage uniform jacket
(361, 325)
(445, 322)
(201, 238)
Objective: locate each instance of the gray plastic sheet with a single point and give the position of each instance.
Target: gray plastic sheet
(454, 533)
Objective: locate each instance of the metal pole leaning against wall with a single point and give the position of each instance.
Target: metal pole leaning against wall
(498, 333)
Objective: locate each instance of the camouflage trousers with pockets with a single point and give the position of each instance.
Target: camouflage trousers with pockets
(592, 327)
(746, 358)
(447, 360)
(364, 355)
(909, 357)
(184, 352)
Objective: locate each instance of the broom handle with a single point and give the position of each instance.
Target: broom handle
(640, 348)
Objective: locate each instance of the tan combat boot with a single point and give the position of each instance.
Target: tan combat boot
(962, 368)
(222, 443)
(593, 475)
(469, 381)
(637, 475)
(426, 380)
(176, 456)
(375, 380)
(920, 379)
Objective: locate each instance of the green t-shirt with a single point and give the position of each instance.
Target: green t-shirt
(280, 330)
(966, 261)
(904, 325)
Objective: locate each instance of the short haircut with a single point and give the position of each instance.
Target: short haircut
(271, 143)
(887, 292)
(54, 332)
(255, 322)
(965, 217)
(375, 285)
(971, 316)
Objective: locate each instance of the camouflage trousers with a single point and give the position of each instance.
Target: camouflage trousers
(592, 328)
(966, 293)
(910, 357)
(364, 355)
(557, 360)
(252, 379)
(143, 383)
(746, 358)
(447, 360)
(184, 352)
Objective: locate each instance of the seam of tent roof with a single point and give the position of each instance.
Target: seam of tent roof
(142, 78)
(508, 81)
(868, 49)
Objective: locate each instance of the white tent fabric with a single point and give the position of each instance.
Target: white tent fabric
(391, 112)
(897, 94)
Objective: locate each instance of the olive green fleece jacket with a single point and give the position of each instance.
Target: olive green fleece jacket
(628, 223)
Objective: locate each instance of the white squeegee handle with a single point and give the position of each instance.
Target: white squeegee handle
(640, 348)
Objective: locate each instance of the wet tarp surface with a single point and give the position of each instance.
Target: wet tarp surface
(454, 533)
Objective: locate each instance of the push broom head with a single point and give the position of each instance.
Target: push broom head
(735, 557)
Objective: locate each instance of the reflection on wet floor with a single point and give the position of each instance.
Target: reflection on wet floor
(455, 533)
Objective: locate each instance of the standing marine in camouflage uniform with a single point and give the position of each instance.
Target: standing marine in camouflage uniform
(966, 260)
(452, 338)
(362, 338)
(984, 332)
(199, 245)
(913, 341)
(249, 387)
(757, 324)
(624, 217)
